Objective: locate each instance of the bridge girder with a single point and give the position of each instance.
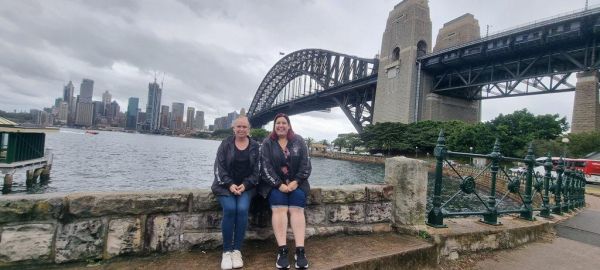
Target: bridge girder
(333, 73)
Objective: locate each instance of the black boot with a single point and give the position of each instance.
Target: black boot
(282, 258)
(301, 261)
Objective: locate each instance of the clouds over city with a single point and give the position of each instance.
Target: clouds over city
(213, 54)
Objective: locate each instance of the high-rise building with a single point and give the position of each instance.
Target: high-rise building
(106, 99)
(243, 112)
(57, 102)
(63, 112)
(189, 124)
(85, 112)
(199, 120)
(153, 106)
(132, 113)
(98, 113)
(230, 118)
(164, 117)
(177, 116)
(68, 97)
(86, 91)
(114, 111)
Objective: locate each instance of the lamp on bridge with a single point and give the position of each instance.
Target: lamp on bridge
(416, 151)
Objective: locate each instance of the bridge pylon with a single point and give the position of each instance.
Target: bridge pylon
(586, 108)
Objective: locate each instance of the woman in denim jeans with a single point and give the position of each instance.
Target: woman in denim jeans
(286, 167)
(236, 176)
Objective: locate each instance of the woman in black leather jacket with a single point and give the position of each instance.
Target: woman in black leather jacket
(236, 176)
(285, 170)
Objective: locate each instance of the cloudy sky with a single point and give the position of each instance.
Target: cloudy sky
(214, 54)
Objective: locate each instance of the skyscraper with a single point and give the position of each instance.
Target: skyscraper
(86, 91)
(106, 99)
(199, 120)
(68, 97)
(132, 113)
(177, 116)
(85, 108)
(153, 106)
(189, 124)
(164, 117)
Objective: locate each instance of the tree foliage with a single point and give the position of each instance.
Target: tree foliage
(514, 132)
(259, 134)
(581, 144)
(348, 140)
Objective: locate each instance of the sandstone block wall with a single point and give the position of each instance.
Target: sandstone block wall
(57, 228)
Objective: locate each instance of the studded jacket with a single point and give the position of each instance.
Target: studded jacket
(224, 164)
(273, 159)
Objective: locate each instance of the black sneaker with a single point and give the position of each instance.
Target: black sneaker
(301, 261)
(282, 258)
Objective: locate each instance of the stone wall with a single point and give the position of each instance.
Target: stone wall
(349, 157)
(58, 228)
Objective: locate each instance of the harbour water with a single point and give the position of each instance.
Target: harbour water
(117, 161)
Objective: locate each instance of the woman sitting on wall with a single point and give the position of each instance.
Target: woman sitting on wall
(286, 167)
(236, 176)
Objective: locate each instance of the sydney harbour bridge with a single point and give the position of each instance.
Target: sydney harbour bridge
(410, 81)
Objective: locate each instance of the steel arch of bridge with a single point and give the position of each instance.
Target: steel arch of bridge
(340, 80)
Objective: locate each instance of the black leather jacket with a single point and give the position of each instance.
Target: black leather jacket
(272, 159)
(223, 168)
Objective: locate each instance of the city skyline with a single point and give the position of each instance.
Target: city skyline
(213, 55)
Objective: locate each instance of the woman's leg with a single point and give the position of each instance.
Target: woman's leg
(227, 224)
(279, 206)
(297, 219)
(241, 220)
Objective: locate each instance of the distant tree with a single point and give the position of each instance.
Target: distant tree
(324, 142)
(222, 133)
(348, 140)
(581, 144)
(259, 134)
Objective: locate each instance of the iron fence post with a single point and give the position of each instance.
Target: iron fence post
(491, 217)
(567, 195)
(573, 191)
(545, 198)
(560, 169)
(435, 218)
(527, 211)
(583, 183)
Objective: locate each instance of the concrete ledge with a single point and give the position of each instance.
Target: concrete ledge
(470, 235)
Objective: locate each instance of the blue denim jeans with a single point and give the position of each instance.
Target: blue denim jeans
(235, 219)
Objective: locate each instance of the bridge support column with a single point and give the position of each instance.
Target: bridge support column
(586, 108)
(442, 108)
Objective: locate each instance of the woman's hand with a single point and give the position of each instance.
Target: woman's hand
(240, 189)
(234, 189)
(292, 185)
(284, 188)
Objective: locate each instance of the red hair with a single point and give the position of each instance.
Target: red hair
(290, 133)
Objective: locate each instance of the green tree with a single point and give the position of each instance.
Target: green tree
(259, 134)
(581, 144)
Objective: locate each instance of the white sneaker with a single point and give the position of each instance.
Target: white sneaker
(226, 263)
(236, 259)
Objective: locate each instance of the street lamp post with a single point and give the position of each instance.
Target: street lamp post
(416, 151)
(471, 151)
(565, 140)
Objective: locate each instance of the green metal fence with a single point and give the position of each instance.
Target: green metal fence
(567, 187)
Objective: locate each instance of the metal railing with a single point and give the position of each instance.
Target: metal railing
(567, 187)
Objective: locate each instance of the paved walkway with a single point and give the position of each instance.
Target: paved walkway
(337, 252)
(577, 246)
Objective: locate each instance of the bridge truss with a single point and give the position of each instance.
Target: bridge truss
(317, 80)
(539, 58)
